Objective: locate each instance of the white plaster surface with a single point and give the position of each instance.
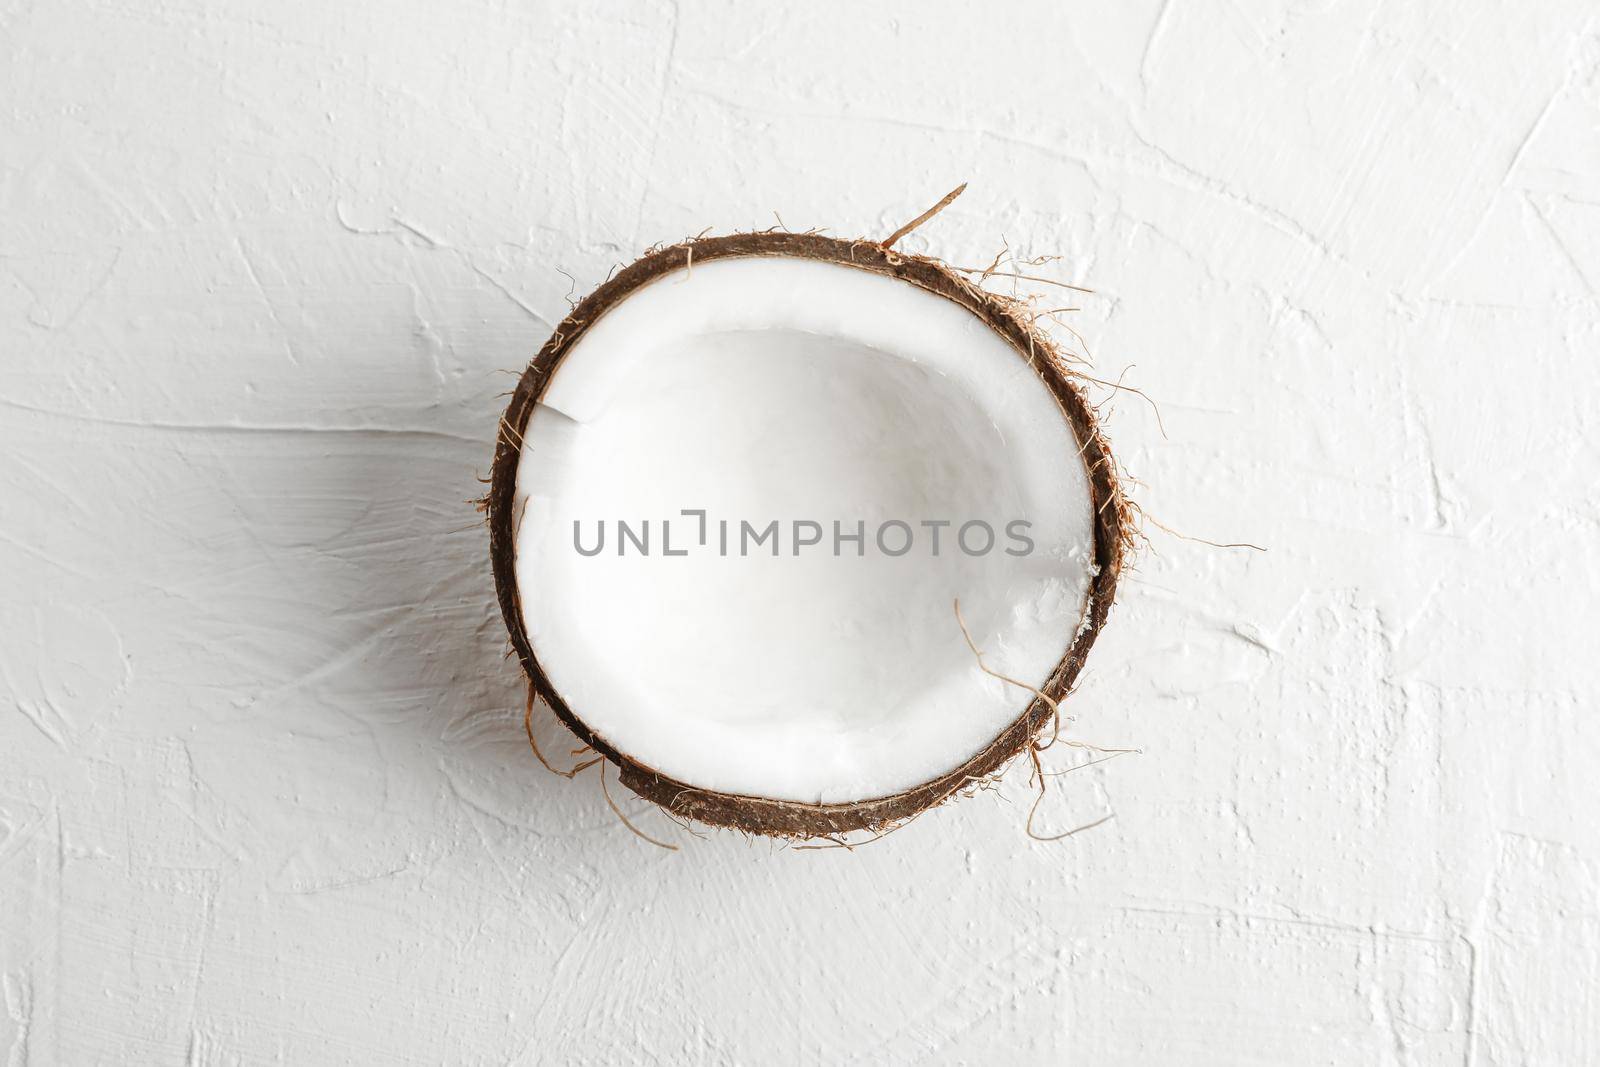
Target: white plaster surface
(263, 794)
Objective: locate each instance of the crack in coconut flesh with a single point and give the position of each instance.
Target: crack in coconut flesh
(828, 686)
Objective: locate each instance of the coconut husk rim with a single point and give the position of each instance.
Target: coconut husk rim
(1009, 318)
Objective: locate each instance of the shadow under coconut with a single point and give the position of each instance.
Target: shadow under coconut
(447, 670)
(442, 684)
(401, 705)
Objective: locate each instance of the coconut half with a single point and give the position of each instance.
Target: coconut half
(733, 502)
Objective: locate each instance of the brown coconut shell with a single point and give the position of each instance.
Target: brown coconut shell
(1008, 318)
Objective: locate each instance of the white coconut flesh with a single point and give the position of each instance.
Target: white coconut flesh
(760, 389)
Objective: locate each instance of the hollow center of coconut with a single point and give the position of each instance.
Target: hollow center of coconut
(908, 455)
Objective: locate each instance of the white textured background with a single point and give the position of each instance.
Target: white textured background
(263, 795)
